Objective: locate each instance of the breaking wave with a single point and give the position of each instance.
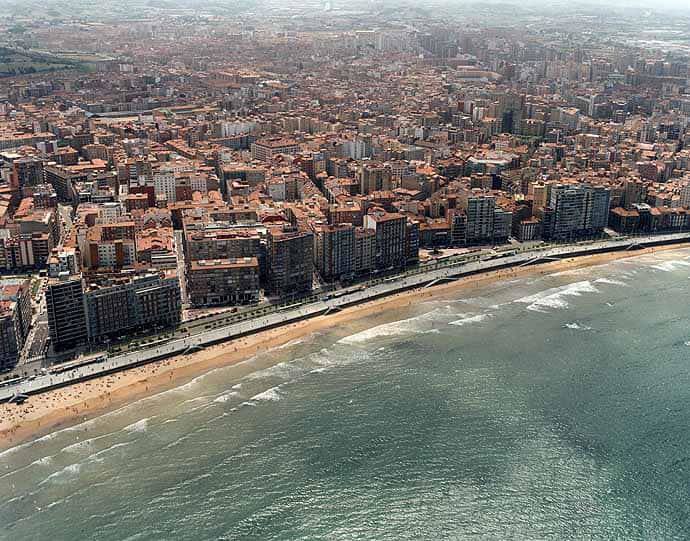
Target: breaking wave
(139, 426)
(471, 319)
(555, 298)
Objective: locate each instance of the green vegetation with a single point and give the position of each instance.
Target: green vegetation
(15, 62)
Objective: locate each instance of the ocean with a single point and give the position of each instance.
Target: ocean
(550, 406)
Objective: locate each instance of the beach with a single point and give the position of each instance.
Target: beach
(81, 401)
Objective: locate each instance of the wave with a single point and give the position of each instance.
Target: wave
(291, 343)
(97, 456)
(74, 469)
(555, 298)
(671, 266)
(577, 326)
(42, 439)
(225, 397)
(79, 446)
(283, 370)
(471, 319)
(269, 395)
(139, 426)
(191, 383)
(395, 328)
(610, 281)
(43, 461)
(197, 399)
(70, 470)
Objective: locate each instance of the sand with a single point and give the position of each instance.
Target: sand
(75, 403)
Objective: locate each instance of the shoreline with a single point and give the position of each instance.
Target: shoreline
(66, 406)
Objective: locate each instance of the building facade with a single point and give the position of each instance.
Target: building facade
(223, 281)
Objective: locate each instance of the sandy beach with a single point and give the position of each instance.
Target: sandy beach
(47, 411)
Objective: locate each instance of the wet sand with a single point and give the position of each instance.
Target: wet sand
(75, 403)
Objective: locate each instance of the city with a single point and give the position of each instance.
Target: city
(144, 188)
(375, 269)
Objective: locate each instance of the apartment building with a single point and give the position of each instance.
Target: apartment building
(334, 250)
(223, 281)
(290, 261)
(15, 319)
(266, 149)
(390, 230)
(66, 312)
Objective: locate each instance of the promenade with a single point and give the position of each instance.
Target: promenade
(268, 317)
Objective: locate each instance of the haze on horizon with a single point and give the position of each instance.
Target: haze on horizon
(170, 4)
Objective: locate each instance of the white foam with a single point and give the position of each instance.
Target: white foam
(389, 329)
(225, 397)
(192, 382)
(72, 469)
(97, 456)
(577, 326)
(284, 370)
(671, 266)
(268, 395)
(610, 281)
(139, 426)
(471, 319)
(42, 439)
(197, 399)
(325, 360)
(572, 272)
(395, 328)
(84, 445)
(291, 343)
(43, 461)
(555, 298)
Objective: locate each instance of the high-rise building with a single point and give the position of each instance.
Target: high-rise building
(373, 177)
(127, 303)
(575, 211)
(458, 227)
(479, 208)
(15, 319)
(597, 204)
(290, 261)
(635, 191)
(411, 242)
(66, 312)
(503, 225)
(390, 228)
(685, 196)
(27, 172)
(334, 250)
(365, 250)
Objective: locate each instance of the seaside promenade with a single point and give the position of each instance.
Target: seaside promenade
(242, 324)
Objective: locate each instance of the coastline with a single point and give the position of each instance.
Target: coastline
(69, 405)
